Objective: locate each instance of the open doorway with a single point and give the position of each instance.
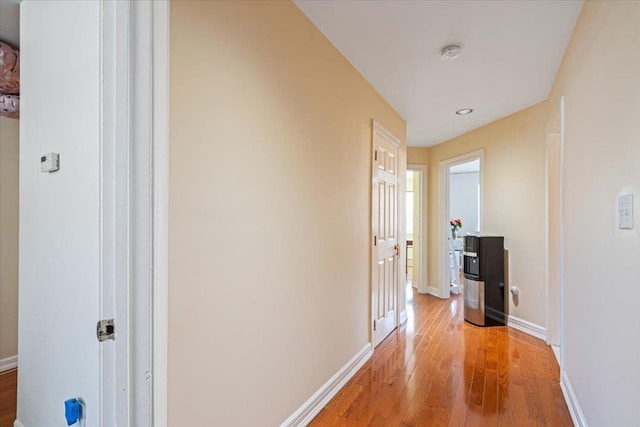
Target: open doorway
(9, 205)
(416, 248)
(461, 199)
(9, 187)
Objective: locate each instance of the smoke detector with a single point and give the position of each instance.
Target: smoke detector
(451, 51)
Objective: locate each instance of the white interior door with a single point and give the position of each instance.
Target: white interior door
(62, 243)
(386, 248)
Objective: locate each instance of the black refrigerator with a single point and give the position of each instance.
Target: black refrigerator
(484, 294)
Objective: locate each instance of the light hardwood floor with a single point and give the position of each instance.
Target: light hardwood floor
(8, 386)
(438, 370)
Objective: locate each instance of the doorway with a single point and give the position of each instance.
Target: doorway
(462, 213)
(416, 235)
(9, 197)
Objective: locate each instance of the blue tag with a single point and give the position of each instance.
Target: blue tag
(72, 411)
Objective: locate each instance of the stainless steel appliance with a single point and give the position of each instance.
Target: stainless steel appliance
(483, 266)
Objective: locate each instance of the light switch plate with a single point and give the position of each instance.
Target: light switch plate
(625, 211)
(50, 162)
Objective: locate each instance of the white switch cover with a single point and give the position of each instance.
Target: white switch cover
(50, 162)
(625, 211)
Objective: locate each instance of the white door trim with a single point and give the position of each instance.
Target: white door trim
(556, 127)
(444, 275)
(160, 107)
(135, 64)
(424, 182)
(562, 284)
(150, 32)
(114, 211)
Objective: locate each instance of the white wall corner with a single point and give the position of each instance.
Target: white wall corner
(8, 363)
(532, 329)
(17, 423)
(577, 416)
(320, 398)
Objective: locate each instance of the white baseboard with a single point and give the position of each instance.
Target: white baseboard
(320, 398)
(433, 291)
(572, 401)
(528, 327)
(8, 363)
(17, 423)
(403, 317)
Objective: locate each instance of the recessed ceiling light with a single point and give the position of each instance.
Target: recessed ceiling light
(451, 51)
(464, 111)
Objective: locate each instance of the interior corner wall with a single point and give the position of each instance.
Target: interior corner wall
(599, 78)
(269, 212)
(514, 201)
(418, 155)
(9, 177)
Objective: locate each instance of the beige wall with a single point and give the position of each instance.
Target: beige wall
(269, 156)
(514, 199)
(418, 156)
(600, 79)
(9, 167)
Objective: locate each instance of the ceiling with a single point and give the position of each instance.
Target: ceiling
(10, 22)
(511, 53)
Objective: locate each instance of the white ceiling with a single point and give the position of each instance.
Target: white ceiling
(511, 53)
(10, 22)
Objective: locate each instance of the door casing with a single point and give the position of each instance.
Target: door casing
(444, 278)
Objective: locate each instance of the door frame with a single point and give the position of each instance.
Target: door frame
(422, 287)
(444, 278)
(134, 205)
(556, 126)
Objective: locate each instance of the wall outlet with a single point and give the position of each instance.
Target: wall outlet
(625, 211)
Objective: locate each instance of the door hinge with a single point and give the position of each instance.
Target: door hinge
(375, 240)
(374, 325)
(375, 155)
(106, 330)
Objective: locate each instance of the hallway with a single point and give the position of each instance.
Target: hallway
(438, 370)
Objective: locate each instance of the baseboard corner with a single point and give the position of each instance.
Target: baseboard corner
(8, 363)
(17, 423)
(527, 327)
(309, 409)
(577, 416)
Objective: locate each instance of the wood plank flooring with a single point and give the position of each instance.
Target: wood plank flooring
(8, 387)
(438, 370)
